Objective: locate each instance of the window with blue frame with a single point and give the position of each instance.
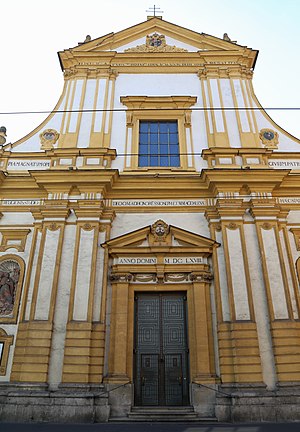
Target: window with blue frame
(158, 144)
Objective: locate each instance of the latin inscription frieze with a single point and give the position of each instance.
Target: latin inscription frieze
(153, 260)
(284, 163)
(25, 164)
(159, 203)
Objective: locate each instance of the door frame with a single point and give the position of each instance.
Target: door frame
(148, 260)
(199, 328)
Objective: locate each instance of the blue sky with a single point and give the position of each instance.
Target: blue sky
(33, 31)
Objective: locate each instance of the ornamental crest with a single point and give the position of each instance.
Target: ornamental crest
(269, 138)
(48, 138)
(160, 230)
(155, 43)
(155, 40)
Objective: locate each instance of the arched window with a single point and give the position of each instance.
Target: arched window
(11, 275)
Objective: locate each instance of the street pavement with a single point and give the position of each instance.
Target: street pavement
(150, 427)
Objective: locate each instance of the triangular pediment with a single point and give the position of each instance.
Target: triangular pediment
(200, 41)
(173, 237)
(134, 39)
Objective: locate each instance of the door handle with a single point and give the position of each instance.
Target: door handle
(179, 380)
(143, 380)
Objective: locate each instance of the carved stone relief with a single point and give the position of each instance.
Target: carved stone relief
(48, 138)
(155, 43)
(163, 278)
(269, 138)
(160, 230)
(9, 278)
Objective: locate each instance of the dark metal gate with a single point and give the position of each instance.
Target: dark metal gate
(161, 350)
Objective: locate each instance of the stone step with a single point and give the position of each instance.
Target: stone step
(162, 419)
(166, 410)
(163, 414)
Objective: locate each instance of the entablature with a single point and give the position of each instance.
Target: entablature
(232, 181)
(160, 252)
(57, 159)
(236, 63)
(85, 181)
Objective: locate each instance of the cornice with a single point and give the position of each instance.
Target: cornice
(109, 184)
(290, 185)
(86, 181)
(20, 186)
(232, 180)
(161, 102)
(86, 64)
(159, 186)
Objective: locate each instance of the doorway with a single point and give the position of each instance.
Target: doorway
(161, 350)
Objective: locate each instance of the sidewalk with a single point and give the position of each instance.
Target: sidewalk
(149, 427)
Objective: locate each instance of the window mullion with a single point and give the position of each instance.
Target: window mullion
(169, 150)
(149, 145)
(158, 145)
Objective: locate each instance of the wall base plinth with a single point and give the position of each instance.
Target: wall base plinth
(254, 403)
(69, 404)
(78, 403)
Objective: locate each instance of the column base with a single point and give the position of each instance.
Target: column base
(205, 379)
(117, 379)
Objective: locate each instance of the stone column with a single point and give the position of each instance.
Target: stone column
(239, 357)
(285, 331)
(84, 346)
(204, 347)
(34, 340)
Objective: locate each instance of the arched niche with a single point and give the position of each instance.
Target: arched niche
(11, 279)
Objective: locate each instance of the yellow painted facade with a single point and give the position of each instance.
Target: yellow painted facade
(87, 230)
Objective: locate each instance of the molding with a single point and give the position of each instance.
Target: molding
(267, 117)
(158, 102)
(296, 234)
(13, 238)
(157, 108)
(45, 122)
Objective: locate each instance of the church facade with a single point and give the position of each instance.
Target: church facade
(150, 240)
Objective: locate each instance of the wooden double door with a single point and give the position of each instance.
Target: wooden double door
(161, 353)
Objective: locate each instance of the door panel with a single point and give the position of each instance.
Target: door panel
(161, 352)
(149, 379)
(173, 376)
